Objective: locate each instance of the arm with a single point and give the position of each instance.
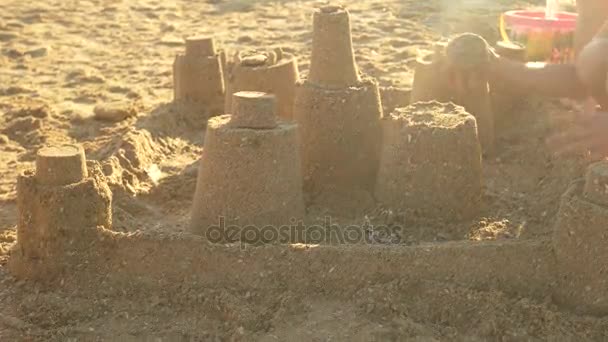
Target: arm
(556, 80)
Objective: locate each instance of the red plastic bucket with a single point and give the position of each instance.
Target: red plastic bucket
(546, 39)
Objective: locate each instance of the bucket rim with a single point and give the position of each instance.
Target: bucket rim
(535, 18)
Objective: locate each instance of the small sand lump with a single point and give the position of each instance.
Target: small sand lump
(114, 111)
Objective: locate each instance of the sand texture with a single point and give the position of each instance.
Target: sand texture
(99, 74)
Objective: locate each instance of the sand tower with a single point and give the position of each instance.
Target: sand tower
(250, 170)
(430, 80)
(61, 205)
(274, 72)
(468, 60)
(431, 161)
(198, 75)
(339, 117)
(581, 243)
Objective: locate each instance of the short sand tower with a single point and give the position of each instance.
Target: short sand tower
(580, 243)
(430, 82)
(506, 99)
(274, 72)
(431, 162)
(339, 117)
(250, 170)
(198, 75)
(60, 205)
(468, 60)
(457, 72)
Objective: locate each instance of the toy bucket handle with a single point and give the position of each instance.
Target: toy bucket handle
(503, 29)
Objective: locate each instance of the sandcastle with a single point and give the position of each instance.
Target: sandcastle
(339, 114)
(198, 76)
(61, 204)
(581, 243)
(504, 98)
(65, 221)
(250, 175)
(250, 169)
(431, 161)
(457, 72)
(274, 72)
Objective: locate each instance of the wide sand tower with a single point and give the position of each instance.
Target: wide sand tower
(198, 77)
(250, 172)
(339, 115)
(431, 162)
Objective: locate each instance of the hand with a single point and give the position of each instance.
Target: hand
(592, 67)
(588, 137)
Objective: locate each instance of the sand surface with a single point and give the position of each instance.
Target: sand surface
(59, 59)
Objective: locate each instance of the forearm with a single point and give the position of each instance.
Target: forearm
(554, 80)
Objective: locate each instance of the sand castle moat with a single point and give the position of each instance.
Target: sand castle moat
(303, 193)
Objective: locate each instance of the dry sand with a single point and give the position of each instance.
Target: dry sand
(60, 59)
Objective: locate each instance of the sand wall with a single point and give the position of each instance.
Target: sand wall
(581, 245)
(520, 268)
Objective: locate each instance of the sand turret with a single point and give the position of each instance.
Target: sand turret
(431, 162)
(274, 72)
(430, 80)
(60, 204)
(332, 63)
(505, 98)
(339, 113)
(250, 172)
(59, 166)
(198, 76)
